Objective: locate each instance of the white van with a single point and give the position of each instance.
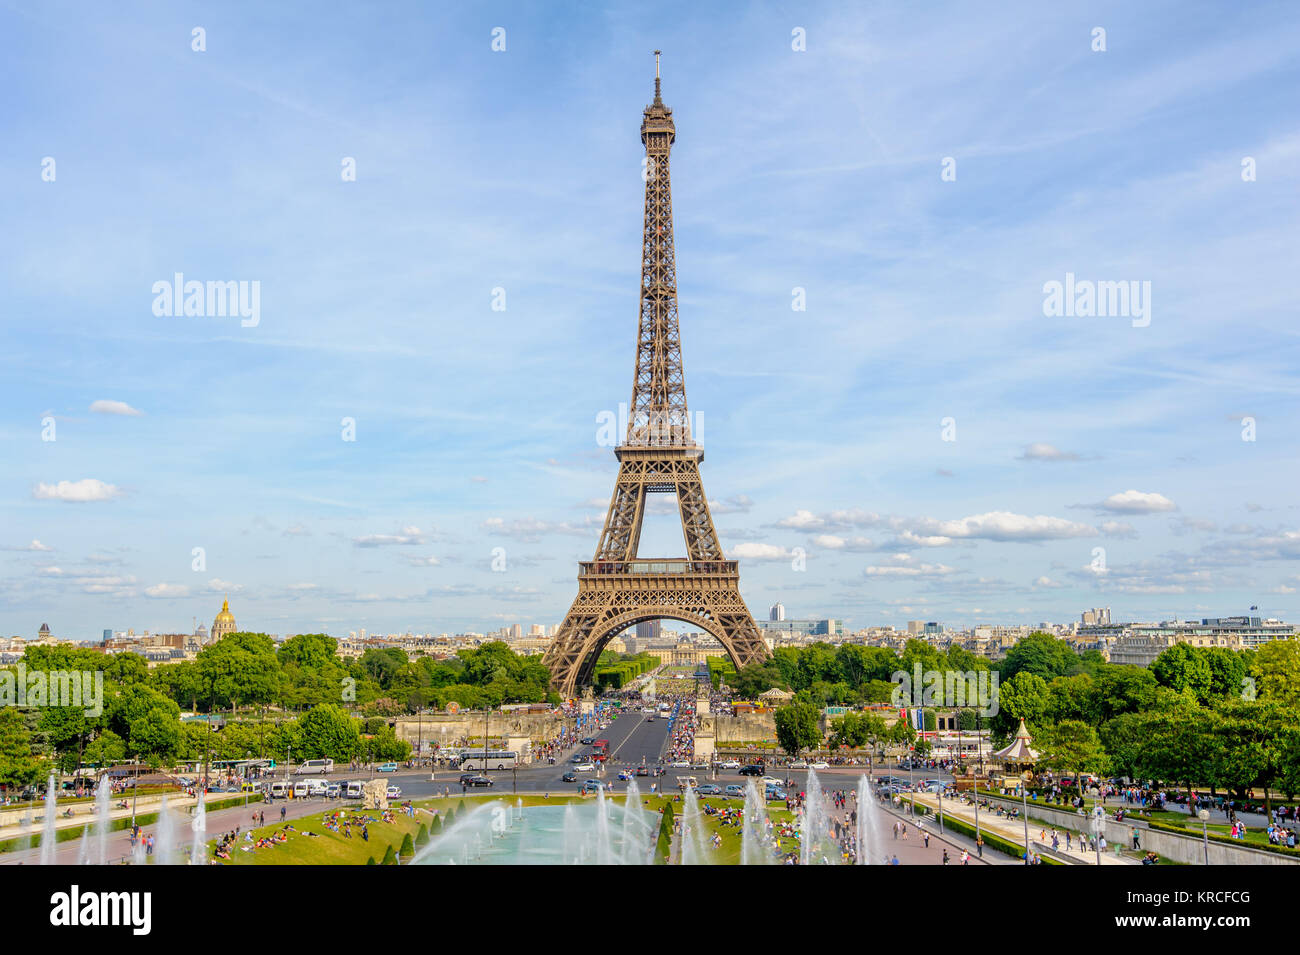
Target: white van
(317, 787)
(315, 767)
(351, 789)
(278, 790)
(301, 789)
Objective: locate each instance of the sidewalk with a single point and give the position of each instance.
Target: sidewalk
(83, 814)
(1013, 831)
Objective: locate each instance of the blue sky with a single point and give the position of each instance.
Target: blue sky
(817, 169)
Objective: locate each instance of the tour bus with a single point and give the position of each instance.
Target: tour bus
(495, 759)
(315, 766)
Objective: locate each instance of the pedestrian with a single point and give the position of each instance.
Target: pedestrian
(945, 856)
(282, 810)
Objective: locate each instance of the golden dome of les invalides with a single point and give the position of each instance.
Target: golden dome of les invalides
(224, 623)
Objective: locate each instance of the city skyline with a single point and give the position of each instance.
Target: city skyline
(921, 441)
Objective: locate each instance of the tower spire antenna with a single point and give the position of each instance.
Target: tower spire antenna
(657, 99)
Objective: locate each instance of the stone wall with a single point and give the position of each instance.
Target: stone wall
(448, 729)
(744, 728)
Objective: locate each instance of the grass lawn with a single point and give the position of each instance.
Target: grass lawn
(729, 852)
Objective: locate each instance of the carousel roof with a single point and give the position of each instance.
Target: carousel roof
(1019, 751)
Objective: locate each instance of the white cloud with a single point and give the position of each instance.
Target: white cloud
(167, 591)
(1041, 451)
(76, 492)
(218, 586)
(801, 518)
(1137, 502)
(1118, 529)
(1006, 526)
(34, 546)
(104, 406)
(910, 570)
(752, 550)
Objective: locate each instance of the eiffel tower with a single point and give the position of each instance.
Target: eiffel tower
(616, 589)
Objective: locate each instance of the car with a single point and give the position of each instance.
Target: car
(650, 719)
(586, 766)
(735, 790)
(774, 793)
(820, 764)
(386, 768)
(333, 790)
(729, 764)
(681, 764)
(708, 789)
(478, 781)
(624, 775)
(569, 777)
(466, 777)
(394, 792)
(594, 785)
(799, 764)
(643, 771)
(578, 758)
(754, 769)
(587, 740)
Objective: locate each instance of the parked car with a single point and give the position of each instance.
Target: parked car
(569, 777)
(386, 768)
(820, 764)
(799, 764)
(708, 789)
(594, 785)
(774, 793)
(394, 792)
(333, 790)
(735, 790)
(587, 740)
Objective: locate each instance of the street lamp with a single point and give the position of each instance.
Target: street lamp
(1024, 814)
(1098, 826)
(1205, 832)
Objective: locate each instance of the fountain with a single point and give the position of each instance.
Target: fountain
(103, 795)
(573, 833)
(753, 837)
(814, 828)
(692, 837)
(164, 843)
(48, 834)
(199, 845)
(868, 829)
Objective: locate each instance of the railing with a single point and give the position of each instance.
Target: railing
(604, 567)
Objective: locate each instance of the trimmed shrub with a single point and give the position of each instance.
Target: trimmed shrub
(390, 857)
(422, 837)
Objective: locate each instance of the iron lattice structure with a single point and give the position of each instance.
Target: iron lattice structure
(616, 589)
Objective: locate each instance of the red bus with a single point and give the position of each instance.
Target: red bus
(600, 750)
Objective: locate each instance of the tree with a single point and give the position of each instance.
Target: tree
(1277, 671)
(1025, 697)
(664, 841)
(19, 767)
(1042, 655)
(856, 729)
(797, 727)
(327, 732)
(239, 669)
(422, 837)
(1072, 746)
(408, 846)
(156, 736)
(390, 857)
(1184, 667)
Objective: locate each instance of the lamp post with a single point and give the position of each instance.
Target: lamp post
(1024, 814)
(976, 788)
(1098, 827)
(1205, 832)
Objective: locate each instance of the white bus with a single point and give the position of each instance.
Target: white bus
(315, 766)
(475, 760)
